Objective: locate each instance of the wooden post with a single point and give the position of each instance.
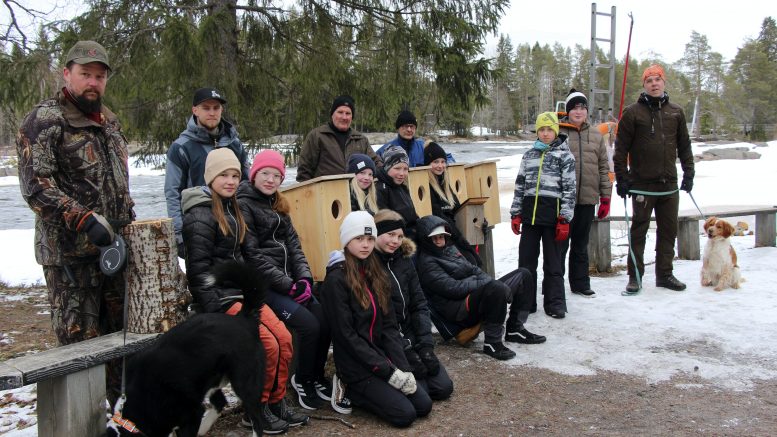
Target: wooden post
(599, 251)
(156, 287)
(73, 404)
(486, 252)
(765, 229)
(688, 246)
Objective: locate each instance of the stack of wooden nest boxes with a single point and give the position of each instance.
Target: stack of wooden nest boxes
(318, 207)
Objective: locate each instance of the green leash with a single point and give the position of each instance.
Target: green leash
(628, 230)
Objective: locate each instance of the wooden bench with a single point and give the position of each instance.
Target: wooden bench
(71, 382)
(688, 246)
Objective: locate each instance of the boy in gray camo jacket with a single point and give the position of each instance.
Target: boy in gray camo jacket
(544, 202)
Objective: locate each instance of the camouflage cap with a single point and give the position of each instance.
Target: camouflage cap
(84, 52)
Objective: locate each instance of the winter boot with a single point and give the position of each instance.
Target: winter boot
(585, 293)
(498, 350)
(287, 414)
(670, 282)
(632, 288)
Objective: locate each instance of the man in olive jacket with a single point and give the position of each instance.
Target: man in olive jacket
(326, 148)
(652, 134)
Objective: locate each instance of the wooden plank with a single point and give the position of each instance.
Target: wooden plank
(458, 179)
(418, 184)
(73, 404)
(75, 357)
(599, 251)
(717, 211)
(486, 253)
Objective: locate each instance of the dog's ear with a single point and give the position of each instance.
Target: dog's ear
(710, 222)
(726, 228)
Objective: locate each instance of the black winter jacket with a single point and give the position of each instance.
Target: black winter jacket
(446, 276)
(410, 305)
(271, 245)
(207, 246)
(366, 341)
(397, 198)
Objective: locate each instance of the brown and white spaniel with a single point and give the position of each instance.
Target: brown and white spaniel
(719, 264)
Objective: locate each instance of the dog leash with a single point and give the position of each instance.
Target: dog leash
(628, 229)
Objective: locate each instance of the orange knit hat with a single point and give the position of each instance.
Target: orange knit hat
(653, 70)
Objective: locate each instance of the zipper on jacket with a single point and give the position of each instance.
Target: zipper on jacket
(234, 248)
(283, 246)
(537, 189)
(402, 295)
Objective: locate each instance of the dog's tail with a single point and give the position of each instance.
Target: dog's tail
(241, 275)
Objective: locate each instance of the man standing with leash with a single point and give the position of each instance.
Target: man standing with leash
(652, 134)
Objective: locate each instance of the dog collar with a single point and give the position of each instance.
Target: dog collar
(125, 423)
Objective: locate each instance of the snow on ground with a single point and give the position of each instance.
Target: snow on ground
(727, 338)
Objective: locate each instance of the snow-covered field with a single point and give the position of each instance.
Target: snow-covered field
(729, 339)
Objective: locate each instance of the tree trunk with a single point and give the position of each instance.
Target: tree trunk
(156, 286)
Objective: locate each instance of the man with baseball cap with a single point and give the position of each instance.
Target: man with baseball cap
(73, 174)
(326, 148)
(205, 131)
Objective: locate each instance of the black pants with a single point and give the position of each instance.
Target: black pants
(388, 403)
(552, 264)
(666, 209)
(439, 386)
(488, 305)
(579, 229)
(522, 285)
(313, 333)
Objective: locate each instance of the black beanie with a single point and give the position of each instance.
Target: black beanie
(574, 98)
(405, 117)
(433, 151)
(343, 101)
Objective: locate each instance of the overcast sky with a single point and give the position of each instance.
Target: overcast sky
(660, 26)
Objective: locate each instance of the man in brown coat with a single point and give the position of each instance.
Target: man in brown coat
(652, 134)
(73, 174)
(326, 148)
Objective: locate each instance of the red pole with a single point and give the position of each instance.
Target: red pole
(626, 67)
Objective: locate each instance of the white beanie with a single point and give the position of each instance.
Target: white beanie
(355, 224)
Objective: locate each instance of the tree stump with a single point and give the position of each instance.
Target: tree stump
(156, 286)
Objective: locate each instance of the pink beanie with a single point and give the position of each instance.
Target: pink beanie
(267, 158)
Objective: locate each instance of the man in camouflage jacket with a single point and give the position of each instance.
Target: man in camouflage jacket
(73, 174)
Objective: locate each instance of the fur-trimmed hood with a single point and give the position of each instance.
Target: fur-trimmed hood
(406, 250)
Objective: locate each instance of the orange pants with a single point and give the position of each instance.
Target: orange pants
(278, 350)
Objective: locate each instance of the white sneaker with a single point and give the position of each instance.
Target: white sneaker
(339, 402)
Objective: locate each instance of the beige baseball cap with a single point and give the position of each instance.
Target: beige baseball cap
(85, 52)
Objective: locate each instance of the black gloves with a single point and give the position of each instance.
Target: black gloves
(622, 187)
(97, 229)
(430, 361)
(687, 184)
(419, 369)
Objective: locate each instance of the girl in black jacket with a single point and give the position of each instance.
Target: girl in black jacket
(363, 197)
(368, 350)
(273, 247)
(213, 230)
(412, 313)
(393, 192)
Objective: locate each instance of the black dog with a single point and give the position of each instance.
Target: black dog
(168, 381)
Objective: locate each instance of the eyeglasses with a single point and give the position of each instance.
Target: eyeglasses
(266, 175)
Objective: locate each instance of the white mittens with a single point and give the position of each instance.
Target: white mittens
(403, 381)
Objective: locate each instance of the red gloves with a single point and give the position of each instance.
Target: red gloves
(562, 229)
(516, 225)
(604, 207)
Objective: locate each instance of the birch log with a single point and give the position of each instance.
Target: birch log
(156, 286)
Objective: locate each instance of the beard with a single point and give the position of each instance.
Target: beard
(89, 106)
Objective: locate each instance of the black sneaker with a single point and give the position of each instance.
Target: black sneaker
(498, 350)
(323, 389)
(339, 402)
(286, 413)
(671, 283)
(522, 335)
(585, 293)
(306, 394)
